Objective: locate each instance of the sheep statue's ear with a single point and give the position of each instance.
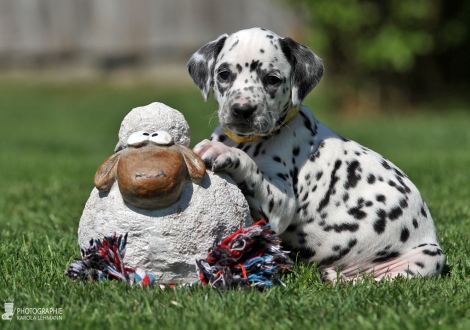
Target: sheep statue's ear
(194, 163)
(106, 174)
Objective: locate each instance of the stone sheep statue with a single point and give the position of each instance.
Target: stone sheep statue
(157, 190)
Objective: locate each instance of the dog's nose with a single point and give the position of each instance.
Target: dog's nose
(243, 110)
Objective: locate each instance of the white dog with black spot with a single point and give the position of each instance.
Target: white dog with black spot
(331, 200)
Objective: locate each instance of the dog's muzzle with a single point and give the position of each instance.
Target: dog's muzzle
(243, 111)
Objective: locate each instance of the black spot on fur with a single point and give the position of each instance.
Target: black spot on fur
(254, 65)
(257, 149)
(268, 189)
(352, 227)
(277, 159)
(333, 180)
(386, 165)
(233, 45)
(385, 256)
(380, 198)
(381, 222)
(423, 212)
(319, 175)
(438, 252)
(271, 205)
(419, 264)
(403, 203)
(353, 177)
(236, 164)
(296, 151)
(357, 213)
(239, 68)
(415, 223)
(303, 207)
(371, 179)
(295, 179)
(308, 124)
(341, 253)
(395, 213)
(305, 197)
(399, 173)
(405, 234)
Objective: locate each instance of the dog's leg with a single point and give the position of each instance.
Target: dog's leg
(269, 198)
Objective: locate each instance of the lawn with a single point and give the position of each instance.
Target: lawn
(54, 138)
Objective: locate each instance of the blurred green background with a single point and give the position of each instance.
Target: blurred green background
(396, 79)
(391, 54)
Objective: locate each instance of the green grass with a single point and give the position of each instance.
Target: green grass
(53, 138)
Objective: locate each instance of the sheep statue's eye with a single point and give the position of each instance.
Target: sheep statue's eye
(138, 139)
(161, 138)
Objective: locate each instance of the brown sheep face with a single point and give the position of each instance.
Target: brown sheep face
(151, 171)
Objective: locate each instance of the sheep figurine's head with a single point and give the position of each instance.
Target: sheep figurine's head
(151, 171)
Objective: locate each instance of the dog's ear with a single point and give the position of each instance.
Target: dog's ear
(201, 64)
(307, 69)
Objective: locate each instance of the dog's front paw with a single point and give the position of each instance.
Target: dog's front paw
(217, 156)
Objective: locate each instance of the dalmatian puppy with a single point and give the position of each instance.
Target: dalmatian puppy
(331, 200)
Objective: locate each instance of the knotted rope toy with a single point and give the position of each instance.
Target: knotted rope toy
(251, 256)
(103, 259)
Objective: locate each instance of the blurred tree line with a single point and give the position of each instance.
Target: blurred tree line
(390, 53)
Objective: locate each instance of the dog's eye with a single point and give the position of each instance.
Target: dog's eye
(224, 75)
(272, 80)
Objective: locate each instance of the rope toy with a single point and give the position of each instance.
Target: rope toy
(104, 260)
(251, 256)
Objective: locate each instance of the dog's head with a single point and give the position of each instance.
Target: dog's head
(256, 77)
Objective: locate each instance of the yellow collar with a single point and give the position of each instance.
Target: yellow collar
(237, 138)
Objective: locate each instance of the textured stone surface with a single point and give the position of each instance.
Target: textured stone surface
(167, 241)
(154, 117)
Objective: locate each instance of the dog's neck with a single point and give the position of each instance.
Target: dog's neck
(293, 111)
